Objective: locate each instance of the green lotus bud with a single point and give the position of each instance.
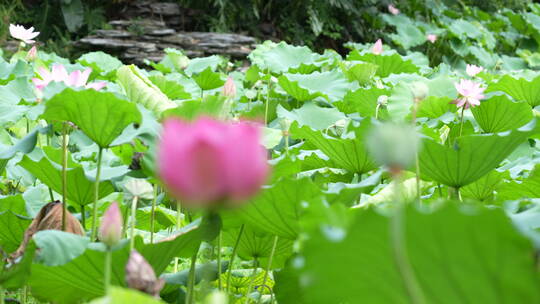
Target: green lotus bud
(419, 90)
(393, 145)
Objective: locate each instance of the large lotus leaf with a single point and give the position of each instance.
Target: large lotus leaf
(311, 115)
(125, 295)
(349, 153)
(141, 90)
(362, 72)
(14, 276)
(82, 278)
(12, 228)
(528, 188)
(197, 65)
(25, 145)
(100, 62)
(483, 188)
(208, 80)
(173, 90)
(470, 157)
(256, 244)
(80, 188)
(331, 85)
(101, 116)
(363, 102)
(15, 90)
(282, 57)
(499, 114)
(59, 247)
(10, 114)
(277, 209)
(388, 64)
(520, 89)
(434, 107)
(446, 256)
(401, 100)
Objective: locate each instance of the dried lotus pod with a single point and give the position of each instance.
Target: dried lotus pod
(141, 276)
(48, 218)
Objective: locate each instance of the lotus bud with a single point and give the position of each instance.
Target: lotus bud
(393, 10)
(431, 38)
(229, 89)
(209, 162)
(285, 125)
(377, 47)
(419, 90)
(32, 54)
(393, 145)
(110, 231)
(382, 100)
(141, 276)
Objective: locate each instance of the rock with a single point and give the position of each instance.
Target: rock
(149, 27)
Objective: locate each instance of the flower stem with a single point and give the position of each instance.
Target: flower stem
(96, 196)
(2, 295)
(108, 266)
(461, 123)
(178, 225)
(269, 266)
(83, 217)
(233, 255)
(153, 215)
(191, 279)
(252, 280)
(219, 260)
(64, 174)
(132, 220)
(267, 106)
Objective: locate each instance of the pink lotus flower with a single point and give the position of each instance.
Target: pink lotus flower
(470, 93)
(32, 54)
(207, 161)
(472, 70)
(393, 10)
(110, 230)
(60, 74)
(377, 47)
(229, 89)
(431, 38)
(25, 35)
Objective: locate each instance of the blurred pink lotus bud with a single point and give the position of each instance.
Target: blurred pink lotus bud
(32, 54)
(207, 161)
(377, 47)
(431, 38)
(392, 9)
(25, 35)
(229, 89)
(141, 276)
(472, 70)
(110, 230)
(470, 93)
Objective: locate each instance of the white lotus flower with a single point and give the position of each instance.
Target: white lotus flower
(25, 35)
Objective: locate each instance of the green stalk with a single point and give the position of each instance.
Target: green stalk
(269, 266)
(51, 194)
(2, 295)
(191, 279)
(252, 280)
(132, 220)
(397, 235)
(178, 225)
(96, 195)
(153, 215)
(219, 260)
(233, 255)
(83, 217)
(108, 267)
(267, 106)
(461, 119)
(64, 174)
